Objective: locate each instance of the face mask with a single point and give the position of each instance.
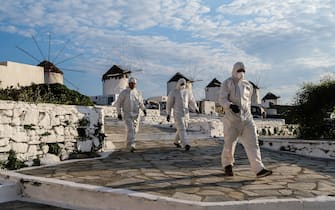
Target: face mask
(240, 75)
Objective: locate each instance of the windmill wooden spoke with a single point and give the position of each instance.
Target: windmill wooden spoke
(69, 59)
(71, 83)
(27, 53)
(60, 51)
(74, 70)
(38, 47)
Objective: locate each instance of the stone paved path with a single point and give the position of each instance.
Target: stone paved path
(21, 205)
(157, 167)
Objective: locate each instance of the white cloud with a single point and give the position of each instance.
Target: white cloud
(165, 36)
(320, 60)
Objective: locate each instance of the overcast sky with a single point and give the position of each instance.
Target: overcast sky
(282, 43)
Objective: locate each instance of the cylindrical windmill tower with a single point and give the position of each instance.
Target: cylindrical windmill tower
(115, 80)
(52, 74)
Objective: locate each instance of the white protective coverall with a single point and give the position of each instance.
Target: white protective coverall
(180, 100)
(236, 90)
(130, 101)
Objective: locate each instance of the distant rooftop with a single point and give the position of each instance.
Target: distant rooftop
(115, 71)
(177, 76)
(214, 83)
(270, 96)
(254, 85)
(50, 67)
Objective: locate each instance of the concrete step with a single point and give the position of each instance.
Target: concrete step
(9, 191)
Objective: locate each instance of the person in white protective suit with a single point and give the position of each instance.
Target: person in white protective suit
(180, 100)
(130, 101)
(235, 96)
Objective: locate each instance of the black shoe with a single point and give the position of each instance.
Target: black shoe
(228, 170)
(177, 145)
(263, 173)
(187, 147)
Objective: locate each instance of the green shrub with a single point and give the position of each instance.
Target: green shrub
(54, 148)
(46, 93)
(314, 103)
(12, 162)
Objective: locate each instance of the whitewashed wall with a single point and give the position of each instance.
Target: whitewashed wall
(14, 74)
(27, 128)
(311, 148)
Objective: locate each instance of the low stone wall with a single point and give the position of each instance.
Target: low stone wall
(276, 128)
(32, 129)
(213, 125)
(311, 148)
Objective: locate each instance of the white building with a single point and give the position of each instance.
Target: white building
(270, 99)
(52, 74)
(212, 90)
(113, 82)
(255, 95)
(268, 102)
(14, 74)
(207, 107)
(171, 84)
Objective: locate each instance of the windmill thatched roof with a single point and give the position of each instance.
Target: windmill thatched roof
(50, 67)
(214, 83)
(115, 71)
(270, 96)
(177, 76)
(254, 85)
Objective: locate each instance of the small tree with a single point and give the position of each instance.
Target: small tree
(314, 103)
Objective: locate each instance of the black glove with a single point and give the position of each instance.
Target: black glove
(145, 112)
(235, 108)
(119, 116)
(168, 118)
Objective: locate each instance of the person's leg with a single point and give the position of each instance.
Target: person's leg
(230, 140)
(181, 129)
(130, 128)
(250, 143)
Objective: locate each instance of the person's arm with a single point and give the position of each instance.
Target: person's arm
(141, 104)
(119, 103)
(192, 103)
(224, 95)
(140, 101)
(169, 102)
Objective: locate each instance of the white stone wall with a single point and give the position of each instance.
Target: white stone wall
(312, 148)
(28, 128)
(12, 74)
(213, 126)
(276, 128)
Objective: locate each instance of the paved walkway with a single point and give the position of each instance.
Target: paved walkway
(157, 167)
(21, 205)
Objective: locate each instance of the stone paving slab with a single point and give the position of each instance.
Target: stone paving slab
(23, 205)
(158, 168)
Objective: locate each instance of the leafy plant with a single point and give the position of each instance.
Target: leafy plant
(314, 103)
(54, 148)
(45, 93)
(84, 122)
(36, 162)
(12, 162)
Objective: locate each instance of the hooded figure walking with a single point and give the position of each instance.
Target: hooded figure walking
(180, 100)
(130, 101)
(235, 96)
